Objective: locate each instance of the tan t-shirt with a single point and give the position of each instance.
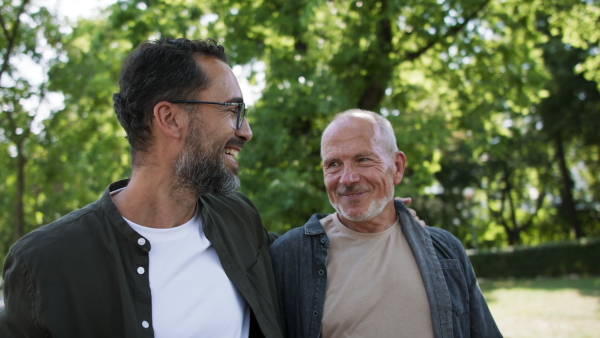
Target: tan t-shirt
(374, 288)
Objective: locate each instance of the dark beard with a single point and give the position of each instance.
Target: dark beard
(203, 171)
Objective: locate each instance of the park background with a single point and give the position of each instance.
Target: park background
(495, 103)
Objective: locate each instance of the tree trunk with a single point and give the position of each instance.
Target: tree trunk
(20, 194)
(514, 237)
(379, 67)
(567, 189)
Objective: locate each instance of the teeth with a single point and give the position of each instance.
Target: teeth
(231, 152)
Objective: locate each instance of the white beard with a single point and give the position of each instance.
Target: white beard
(375, 207)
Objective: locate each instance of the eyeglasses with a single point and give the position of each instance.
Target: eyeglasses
(241, 109)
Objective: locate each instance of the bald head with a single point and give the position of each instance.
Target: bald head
(384, 133)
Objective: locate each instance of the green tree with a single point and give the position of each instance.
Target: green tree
(461, 81)
(570, 120)
(57, 159)
(27, 33)
(434, 67)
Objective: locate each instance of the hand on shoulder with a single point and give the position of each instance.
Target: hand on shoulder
(406, 201)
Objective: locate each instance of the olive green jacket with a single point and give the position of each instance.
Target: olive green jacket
(77, 277)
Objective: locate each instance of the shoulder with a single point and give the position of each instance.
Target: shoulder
(446, 245)
(235, 218)
(296, 237)
(236, 202)
(236, 197)
(287, 240)
(441, 235)
(75, 226)
(288, 250)
(230, 210)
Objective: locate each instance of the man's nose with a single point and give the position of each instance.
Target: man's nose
(245, 133)
(349, 176)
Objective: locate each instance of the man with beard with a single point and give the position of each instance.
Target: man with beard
(370, 269)
(172, 252)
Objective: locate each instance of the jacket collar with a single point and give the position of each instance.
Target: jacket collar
(115, 217)
(313, 227)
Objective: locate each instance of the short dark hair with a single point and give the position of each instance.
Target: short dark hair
(154, 71)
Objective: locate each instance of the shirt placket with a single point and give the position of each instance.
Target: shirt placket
(142, 292)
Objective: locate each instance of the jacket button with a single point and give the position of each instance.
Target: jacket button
(145, 324)
(315, 313)
(141, 241)
(321, 272)
(141, 270)
(323, 240)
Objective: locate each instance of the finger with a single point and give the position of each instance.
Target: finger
(404, 200)
(413, 213)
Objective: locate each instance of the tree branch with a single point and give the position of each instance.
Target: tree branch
(11, 37)
(538, 206)
(511, 203)
(454, 30)
(498, 214)
(378, 76)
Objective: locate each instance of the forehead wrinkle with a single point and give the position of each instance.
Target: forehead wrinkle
(339, 151)
(337, 140)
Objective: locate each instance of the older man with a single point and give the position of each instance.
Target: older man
(370, 269)
(172, 252)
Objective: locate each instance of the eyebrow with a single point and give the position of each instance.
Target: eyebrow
(236, 100)
(354, 157)
(365, 154)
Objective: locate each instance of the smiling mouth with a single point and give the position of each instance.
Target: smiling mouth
(353, 195)
(350, 191)
(232, 153)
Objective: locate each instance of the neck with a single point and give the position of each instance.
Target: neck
(150, 200)
(379, 223)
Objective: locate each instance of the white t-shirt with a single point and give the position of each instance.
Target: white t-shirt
(191, 294)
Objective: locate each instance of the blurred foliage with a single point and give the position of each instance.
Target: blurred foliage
(575, 257)
(478, 92)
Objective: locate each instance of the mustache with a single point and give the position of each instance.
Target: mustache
(350, 189)
(235, 142)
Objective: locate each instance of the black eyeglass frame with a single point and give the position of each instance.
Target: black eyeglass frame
(241, 109)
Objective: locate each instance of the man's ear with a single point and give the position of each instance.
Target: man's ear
(169, 119)
(400, 163)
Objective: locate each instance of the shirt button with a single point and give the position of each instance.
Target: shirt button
(323, 240)
(145, 324)
(141, 241)
(315, 313)
(141, 270)
(321, 272)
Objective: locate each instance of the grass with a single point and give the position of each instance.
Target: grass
(549, 308)
(545, 307)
